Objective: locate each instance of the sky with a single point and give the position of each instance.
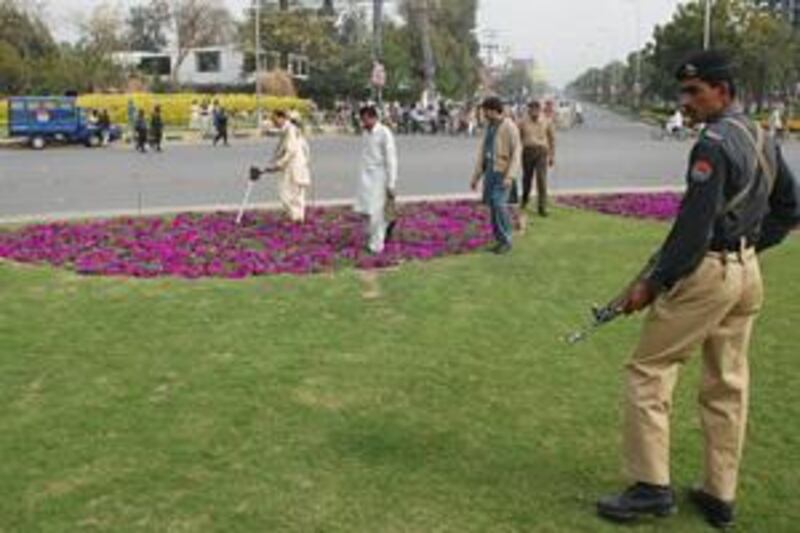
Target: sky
(564, 36)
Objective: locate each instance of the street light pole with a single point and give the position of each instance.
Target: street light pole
(707, 27)
(257, 11)
(377, 45)
(637, 83)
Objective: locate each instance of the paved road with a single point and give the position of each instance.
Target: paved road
(609, 152)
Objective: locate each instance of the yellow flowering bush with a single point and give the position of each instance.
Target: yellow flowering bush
(176, 108)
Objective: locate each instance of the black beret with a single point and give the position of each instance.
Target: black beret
(708, 65)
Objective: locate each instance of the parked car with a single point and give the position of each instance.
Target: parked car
(41, 120)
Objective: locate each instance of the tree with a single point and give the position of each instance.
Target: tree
(197, 23)
(102, 32)
(328, 7)
(24, 30)
(12, 70)
(335, 70)
(444, 29)
(763, 47)
(518, 82)
(145, 27)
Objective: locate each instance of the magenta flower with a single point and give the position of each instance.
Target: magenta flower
(655, 206)
(192, 245)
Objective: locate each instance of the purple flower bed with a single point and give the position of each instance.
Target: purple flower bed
(211, 245)
(655, 206)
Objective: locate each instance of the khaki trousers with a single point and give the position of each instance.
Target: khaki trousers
(534, 163)
(293, 198)
(715, 308)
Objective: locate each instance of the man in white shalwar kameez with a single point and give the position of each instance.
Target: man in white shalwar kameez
(291, 158)
(378, 176)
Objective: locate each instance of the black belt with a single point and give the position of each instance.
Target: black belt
(733, 246)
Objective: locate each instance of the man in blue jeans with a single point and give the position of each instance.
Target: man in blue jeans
(499, 158)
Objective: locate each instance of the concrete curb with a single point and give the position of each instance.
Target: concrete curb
(213, 208)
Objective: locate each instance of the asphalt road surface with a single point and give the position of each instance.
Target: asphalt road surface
(609, 152)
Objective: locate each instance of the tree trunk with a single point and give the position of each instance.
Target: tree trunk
(429, 62)
(377, 29)
(284, 5)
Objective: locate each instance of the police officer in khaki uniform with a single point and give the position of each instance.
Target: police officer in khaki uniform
(538, 154)
(704, 290)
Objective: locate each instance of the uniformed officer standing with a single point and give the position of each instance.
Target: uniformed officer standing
(704, 289)
(538, 154)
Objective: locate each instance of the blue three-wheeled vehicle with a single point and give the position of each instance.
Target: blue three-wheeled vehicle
(46, 119)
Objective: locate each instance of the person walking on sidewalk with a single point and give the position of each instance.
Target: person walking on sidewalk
(156, 129)
(498, 162)
(704, 289)
(133, 114)
(140, 129)
(538, 154)
(221, 126)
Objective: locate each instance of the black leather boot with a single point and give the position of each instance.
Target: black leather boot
(639, 500)
(717, 513)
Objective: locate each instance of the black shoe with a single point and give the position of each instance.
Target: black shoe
(717, 513)
(502, 249)
(543, 213)
(639, 500)
(390, 230)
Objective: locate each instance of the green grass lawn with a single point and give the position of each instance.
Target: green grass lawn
(447, 403)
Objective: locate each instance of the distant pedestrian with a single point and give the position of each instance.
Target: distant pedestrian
(195, 121)
(776, 126)
(140, 129)
(132, 115)
(221, 126)
(156, 129)
(104, 125)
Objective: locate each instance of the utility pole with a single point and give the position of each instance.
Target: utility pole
(421, 9)
(377, 48)
(637, 83)
(707, 27)
(257, 13)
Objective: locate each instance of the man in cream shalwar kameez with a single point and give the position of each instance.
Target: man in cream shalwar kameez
(292, 159)
(378, 176)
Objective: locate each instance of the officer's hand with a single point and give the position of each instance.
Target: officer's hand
(507, 183)
(390, 194)
(551, 161)
(474, 184)
(639, 296)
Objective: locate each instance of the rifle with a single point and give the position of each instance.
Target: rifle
(601, 316)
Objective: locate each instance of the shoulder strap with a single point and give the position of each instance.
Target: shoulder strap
(761, 161)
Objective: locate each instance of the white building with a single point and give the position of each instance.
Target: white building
(211, 65)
